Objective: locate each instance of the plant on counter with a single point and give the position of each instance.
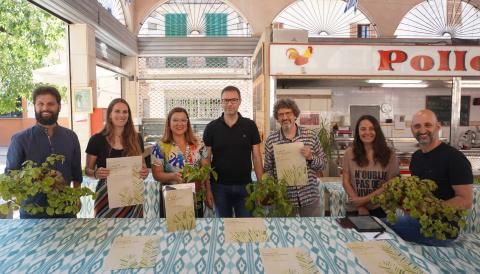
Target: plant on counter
(198, 175)
(18, 185)
(415, 197)
(268, 198)
(326, 138)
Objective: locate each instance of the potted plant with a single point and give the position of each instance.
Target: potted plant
(268, 198)
(326, 138)
(198, 175)
(415, 197)
(18, 185)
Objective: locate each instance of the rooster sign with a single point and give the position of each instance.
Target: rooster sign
(299, 59)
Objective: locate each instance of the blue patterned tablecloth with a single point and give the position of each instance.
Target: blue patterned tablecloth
(338, 200)
(81, 245)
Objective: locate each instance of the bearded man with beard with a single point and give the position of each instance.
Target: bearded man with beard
(304, 199)
(439, 162)
(46, 137)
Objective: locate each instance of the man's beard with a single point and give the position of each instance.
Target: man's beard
(287, 126)
(424, 141)
(47, 121)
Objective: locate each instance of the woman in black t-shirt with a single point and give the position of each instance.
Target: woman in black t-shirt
(117, 139)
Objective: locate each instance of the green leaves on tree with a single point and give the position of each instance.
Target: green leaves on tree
(28, 36)
(268, 198)
(18, 185)
(415, 197)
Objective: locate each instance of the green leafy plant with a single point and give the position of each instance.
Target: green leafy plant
(198, 175)
(268, 198)
(415, 197)
(18, 185)
(326, 138)
(28, 36)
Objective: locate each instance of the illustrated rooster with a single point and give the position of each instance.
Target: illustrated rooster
(300, 60)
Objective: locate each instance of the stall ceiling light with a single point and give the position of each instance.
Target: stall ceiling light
(466, 85)
(404, 85)
(470, 83)
(386, 81)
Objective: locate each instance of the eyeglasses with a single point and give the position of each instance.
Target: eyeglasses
(233, 101)
(287, 114)
(179, 121)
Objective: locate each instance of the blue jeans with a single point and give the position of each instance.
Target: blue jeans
(228, 197)
(408, 229)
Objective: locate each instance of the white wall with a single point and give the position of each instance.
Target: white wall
(403, 101)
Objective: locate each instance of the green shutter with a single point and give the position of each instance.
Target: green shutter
(216, 24)
(216, 62)
(176, 24)
(176, 62)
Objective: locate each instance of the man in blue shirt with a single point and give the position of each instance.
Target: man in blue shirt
(41, 140)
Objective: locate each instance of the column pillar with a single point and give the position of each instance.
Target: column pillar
(82, 74)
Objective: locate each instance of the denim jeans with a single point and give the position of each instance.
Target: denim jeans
(228, 197)
(408, 229)
(312, 210)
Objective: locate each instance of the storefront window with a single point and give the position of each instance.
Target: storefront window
(109, 86)
(195, 18)
(34, 53)
(322, 18)
(441, 19)
(115, 8)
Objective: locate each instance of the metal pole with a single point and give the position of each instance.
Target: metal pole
(456, 105)
(272, 98)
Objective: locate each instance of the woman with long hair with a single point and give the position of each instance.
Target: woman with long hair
(178, 147)
(118, 138)
(367, 165)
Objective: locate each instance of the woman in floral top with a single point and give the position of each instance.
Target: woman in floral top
(179, 146)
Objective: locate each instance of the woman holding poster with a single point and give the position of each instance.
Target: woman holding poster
(117, 139)
(367, 165)
(178, 147)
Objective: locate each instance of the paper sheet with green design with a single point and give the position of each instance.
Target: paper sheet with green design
(245, 230)
(287, 261)
(179, 209)
(381, 257)
(132, 252)
(290, 163)
(124, 185)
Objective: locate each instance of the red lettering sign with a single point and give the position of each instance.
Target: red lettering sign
(422, 63)
(386, 58)
(426, 62)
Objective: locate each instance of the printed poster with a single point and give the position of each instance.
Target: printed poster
(124, 185)
(179, 209)
(287, 260)
(245, 230)
(291, 164)
(380, 257)
(132, 252)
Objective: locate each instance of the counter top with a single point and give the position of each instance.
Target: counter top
(81, 246)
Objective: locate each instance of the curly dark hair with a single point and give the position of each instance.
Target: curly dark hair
(381, 152)
(285, 103)
(42, 90)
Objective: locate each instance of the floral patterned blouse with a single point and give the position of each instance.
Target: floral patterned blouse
(172, 159)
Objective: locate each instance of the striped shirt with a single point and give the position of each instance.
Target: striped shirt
(299, 196)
